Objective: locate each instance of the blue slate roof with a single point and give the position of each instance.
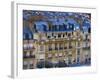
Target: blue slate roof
(63, 25)
(59, 20)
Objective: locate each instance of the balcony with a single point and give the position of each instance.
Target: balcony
(86, 39)
(28, 47)
(49, 57)
(86, 47)
(28, 54)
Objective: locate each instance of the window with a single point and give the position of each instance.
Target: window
(56, 55)
(60, 27)
(78, 52)
(56, 47)
(64, 25)
(24, 54)
(54, 27)
(89, 30)
(25, 64)
(50, 47)
(49, 37)
(60, 46)
(69, 35)
(26, 36)
(50, 28)
(63, 35)
(46, 34)
(78, 59)
(70, 58)
(60, 55)
(59, 35)
(44, 27)
(30, 45)
(41, 48)
(73, 27)
(67, 26)
(34, 28)
(52, 34)
(72, 33)
(70, 26)
(49, 55)
(31, 65)
(86, 44)
(70, 45)
(25, 46)
(78, 44)
(27, 54)
(65, 47)
(30, 36)
(32, 54)
(66, 33)
(86, 37)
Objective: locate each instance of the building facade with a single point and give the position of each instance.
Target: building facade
(56, 42)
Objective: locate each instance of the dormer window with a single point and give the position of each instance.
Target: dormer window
(59, 35)
(44, 27)
(89, 30)
(27, 36)
(63, 35)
